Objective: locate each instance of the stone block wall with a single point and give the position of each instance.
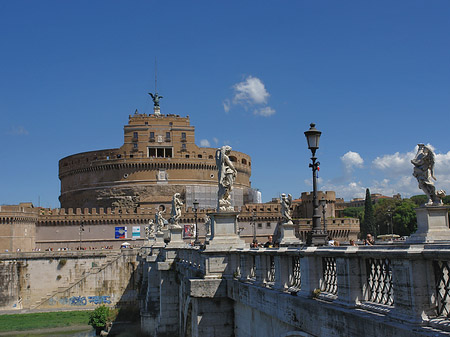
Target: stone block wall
(69, 280)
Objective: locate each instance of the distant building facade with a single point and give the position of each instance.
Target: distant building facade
(110, 196)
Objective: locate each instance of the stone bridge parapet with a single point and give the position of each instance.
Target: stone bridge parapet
(399, 290)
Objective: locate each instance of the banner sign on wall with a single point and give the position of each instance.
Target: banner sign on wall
(189, 231)
(136, 234)
(120, 233)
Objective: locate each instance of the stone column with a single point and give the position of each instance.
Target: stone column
(413, 281)
(310, 269)
(282, 271)
(168, 320)
(246, 266)
(348, 280)
(260, 269)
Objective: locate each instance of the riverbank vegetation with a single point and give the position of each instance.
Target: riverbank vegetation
(22, 322)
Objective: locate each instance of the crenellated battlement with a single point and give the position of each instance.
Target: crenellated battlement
(47, 212)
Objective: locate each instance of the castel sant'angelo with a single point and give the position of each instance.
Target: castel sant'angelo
(122, 188)
(158, 159)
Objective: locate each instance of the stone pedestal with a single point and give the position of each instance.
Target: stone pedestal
(157, 110)
(224, 230)
(432, 225)
(288, 237)
(176, 237)
(317, 238)
(159, 240)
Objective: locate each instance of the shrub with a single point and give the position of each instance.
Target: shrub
(99, 317)
(61, 263)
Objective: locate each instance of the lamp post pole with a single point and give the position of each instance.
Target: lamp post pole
(81, 231)
(391, 223)
(197, 241)
(318, 236)
(323, 203)
(254, 226)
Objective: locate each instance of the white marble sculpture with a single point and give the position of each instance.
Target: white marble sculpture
(227, 176)
(176, 209)
(286, 203)
(160, 221)
(424, 172)
(150, 230)
(207, 224)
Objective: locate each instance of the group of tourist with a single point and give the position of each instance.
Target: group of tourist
(269, 243)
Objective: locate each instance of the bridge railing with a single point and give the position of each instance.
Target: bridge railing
(409, 282)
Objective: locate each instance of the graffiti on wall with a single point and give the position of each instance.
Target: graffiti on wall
(80, 300)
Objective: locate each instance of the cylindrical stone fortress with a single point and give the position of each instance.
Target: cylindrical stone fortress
(159, 157)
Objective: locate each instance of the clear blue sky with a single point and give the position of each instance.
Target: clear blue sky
(374, 77)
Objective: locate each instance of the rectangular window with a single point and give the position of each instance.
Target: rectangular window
(135, 135)
(160, 152)
(168, 136)
(183, 136)
(268, 225)
(183, 146)
(152, 135)
(260, 225)
(135, 146)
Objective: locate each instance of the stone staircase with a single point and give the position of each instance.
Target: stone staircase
(113, 257)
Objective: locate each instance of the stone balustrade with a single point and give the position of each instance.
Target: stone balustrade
(406, 286)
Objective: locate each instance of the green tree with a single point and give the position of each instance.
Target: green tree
(384, 209)
(446, 200)
(404, 218)
(354, 212)
(400, 213)
(419, 200)
(368, 224)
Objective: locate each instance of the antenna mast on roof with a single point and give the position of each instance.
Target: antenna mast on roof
(156, 97)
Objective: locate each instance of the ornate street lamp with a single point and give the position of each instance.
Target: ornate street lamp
(318, 236)
(197, 241)
(323, 203)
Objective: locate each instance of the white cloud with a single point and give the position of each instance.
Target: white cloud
(394, 164)
(353, 189)
(215, 140)
(205, 143)
(251, 91)
(226, 105)
(266, 111)
(18, 131)
(351, 160)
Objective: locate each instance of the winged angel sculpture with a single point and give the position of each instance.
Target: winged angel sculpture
(424, 173)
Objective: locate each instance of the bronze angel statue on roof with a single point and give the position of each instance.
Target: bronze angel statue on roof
(155, 98)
